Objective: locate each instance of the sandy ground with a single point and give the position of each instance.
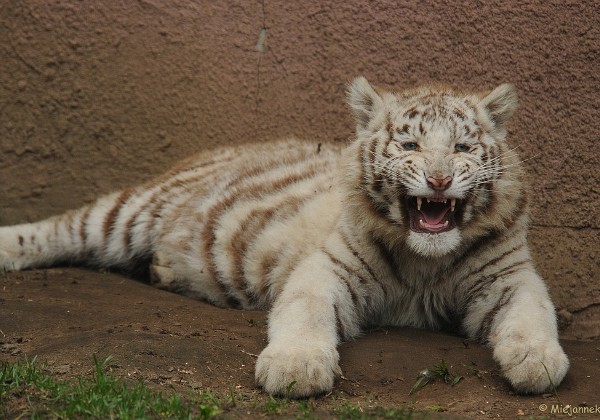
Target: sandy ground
(65, 315)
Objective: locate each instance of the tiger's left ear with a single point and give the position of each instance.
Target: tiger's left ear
(499, 106)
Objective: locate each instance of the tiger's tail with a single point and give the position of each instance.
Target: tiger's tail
(110, 232)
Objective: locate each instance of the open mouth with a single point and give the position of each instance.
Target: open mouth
(432, 215)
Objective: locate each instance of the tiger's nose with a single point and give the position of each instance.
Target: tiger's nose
(439, 184)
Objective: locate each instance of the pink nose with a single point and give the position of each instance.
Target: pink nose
(439, 184)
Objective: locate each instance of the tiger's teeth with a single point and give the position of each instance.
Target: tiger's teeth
(452, 204)
(445, 223)
(419, 202)
(421, 223)
(428, 200)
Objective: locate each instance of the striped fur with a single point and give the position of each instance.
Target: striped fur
(421, 221)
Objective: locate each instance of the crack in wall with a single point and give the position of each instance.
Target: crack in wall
(261, 47)
(575, 227)
(584, 308)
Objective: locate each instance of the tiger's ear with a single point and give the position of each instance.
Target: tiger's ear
(364, 101)
(499, 105)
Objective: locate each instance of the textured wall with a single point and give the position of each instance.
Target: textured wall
(95, 95)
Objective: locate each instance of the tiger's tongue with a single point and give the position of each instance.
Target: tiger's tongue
(434, 216)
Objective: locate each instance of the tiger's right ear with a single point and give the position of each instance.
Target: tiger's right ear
(364, 101)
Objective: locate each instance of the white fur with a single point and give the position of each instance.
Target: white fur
(433, 245)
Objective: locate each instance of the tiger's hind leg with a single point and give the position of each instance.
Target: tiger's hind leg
(177, 266)
(162, 274)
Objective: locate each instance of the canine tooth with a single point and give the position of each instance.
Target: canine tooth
(445, 223)
(452, 204)
(428, 200)
(419, 202)
(421, 223)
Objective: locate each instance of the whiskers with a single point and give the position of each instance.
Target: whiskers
(495, 168)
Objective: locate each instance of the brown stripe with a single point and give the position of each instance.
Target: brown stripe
(217, 210)
(385, 153)
(428, 113)
(267, 264)
(372, 154)
(250, 228)
(403, 130)
(388, 258)
(477, 287)
(454, 128)
(154, 205)
(370, 204)
(111, 216)
(191, 164)
(486, 188)
(344, 266)
(339, 327)
(173, 186)
(354, 252)
(519, 209)
(411, 113)
(481, 243)
(170, 185)
(493, 261)
(69, 225)
(514, 267)
(83, 225)
(127, 231)
(459, 113)
(342, 278)
(486, 324)
(464, 171)
(21, 240)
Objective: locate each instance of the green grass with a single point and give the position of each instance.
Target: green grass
(355, 412)
(554, 391)
(440, 371)
(27, 391)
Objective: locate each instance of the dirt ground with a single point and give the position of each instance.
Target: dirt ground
(65, 315)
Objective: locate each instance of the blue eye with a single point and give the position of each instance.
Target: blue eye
(411, 145)
(462, 148)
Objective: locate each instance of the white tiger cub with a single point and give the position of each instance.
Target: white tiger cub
(421, 221)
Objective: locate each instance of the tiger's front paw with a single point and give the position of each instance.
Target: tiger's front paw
(297, 372)
(532, 368)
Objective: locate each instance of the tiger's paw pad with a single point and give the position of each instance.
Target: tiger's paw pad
(297, 372)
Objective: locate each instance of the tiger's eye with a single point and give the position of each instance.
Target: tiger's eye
(462, 148)
(411, 145)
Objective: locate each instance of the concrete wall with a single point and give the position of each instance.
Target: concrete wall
(99, 94)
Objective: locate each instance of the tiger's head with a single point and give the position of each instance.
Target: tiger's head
(434, 162)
